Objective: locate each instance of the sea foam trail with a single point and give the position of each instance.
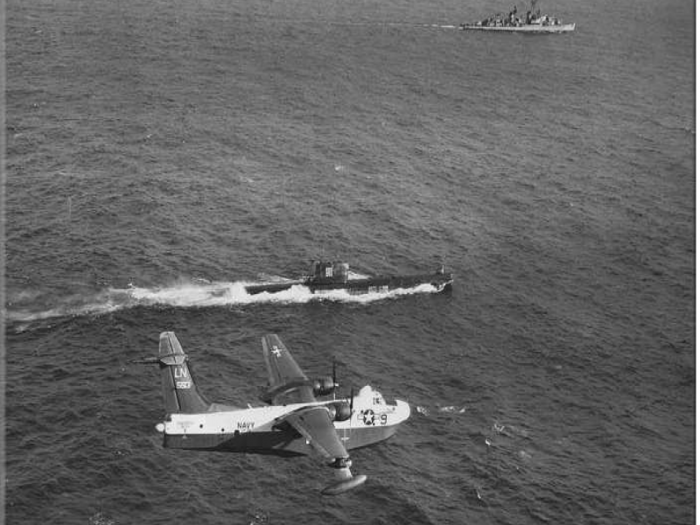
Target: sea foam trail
(196, 295)
(441, 26)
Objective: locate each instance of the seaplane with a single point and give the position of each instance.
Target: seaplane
(299, 416)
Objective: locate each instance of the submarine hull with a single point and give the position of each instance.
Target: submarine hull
(380, 284)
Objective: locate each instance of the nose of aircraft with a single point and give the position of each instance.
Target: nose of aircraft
(403, 411)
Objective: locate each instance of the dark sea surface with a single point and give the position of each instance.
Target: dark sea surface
(162, 153)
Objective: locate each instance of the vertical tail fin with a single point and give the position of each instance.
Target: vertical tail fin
(180, 392)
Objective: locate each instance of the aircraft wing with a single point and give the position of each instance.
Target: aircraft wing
(287, 385)
(315, 424)
(286, 382)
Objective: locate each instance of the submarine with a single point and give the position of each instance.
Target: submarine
(327, 276)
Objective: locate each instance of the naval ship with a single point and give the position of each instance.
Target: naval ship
(327, 276)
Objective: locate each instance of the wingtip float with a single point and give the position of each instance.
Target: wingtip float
(296, 421)
(327, 276)
(340, 487)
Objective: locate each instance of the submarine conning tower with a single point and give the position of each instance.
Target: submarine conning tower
(329, 272)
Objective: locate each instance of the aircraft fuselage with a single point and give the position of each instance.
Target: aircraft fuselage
(261, 430)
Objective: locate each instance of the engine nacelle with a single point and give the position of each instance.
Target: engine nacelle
(340, 411)
(324, 386)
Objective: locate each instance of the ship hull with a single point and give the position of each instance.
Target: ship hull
(439, 282)
(272, 287)
(531, 28)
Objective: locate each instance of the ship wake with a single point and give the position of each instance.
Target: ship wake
(184, 295)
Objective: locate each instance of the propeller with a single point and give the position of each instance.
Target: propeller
(352, 402)
(334, 376)
(335, 379)
(336, 384)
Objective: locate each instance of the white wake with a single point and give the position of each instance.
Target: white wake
(193, 295)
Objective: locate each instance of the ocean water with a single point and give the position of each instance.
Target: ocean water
(162, 154)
